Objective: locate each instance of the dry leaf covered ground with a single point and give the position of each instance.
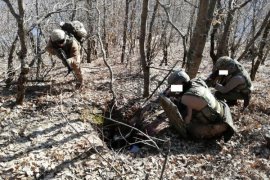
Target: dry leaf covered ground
(55, 136)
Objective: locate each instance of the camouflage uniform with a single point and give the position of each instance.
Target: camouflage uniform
(215, 112)
(242, 91)
(72, 50)
(214, 119)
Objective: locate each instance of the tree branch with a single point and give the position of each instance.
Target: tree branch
(264, 24)
(241, 5)
(190, 4)
(169, 19)
(17, 16)
(46, 16)
(104, 58)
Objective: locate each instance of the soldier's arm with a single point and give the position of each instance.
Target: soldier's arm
(211, 79)
(74, 53)
(233, 83)
(186, 101)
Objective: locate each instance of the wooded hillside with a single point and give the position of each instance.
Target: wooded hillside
(51, 130)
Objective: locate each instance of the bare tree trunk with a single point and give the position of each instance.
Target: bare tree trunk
(266, 54)
(132, 37)
(164, 45)
(177, 29)
(191, 23)
(188, 36)
(236, 42)
(204, 19)
(73, 14)
(145, 67)
(260, 54)
(212, 43)
(149, 50)
(24, 67)
(223, 48)
(106, 45)
(10, 71)
(23, 52)
(91, 44)
(125, 32)
(38, 49)
(216, 25)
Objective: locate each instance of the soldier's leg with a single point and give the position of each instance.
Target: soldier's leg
(231, 97)
(174, 116)
(77, 71)
(206, 131)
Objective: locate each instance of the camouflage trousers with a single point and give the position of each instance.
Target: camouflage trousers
(197, 129)
(232, 97)
(77, 71)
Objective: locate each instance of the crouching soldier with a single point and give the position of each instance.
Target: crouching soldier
(231, 81)
(68, 50)
(194, 111)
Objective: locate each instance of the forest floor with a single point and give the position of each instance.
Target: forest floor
(55, 134)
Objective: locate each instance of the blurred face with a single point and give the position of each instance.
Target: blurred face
(176, 88)
(60, 43)
(223, 72)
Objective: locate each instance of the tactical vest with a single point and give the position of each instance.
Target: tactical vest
(214, 111)
(242, 88)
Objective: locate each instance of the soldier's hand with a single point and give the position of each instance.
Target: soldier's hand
(218, 86)
(167, 92)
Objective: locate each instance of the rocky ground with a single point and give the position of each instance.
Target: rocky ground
(55, 134)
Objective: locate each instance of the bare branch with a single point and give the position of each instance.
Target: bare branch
(241, 5)
(190, 4)
(17, 16)
(105, 59)
(92, 145)
(264, 24)
(169, 19)
(48, 15)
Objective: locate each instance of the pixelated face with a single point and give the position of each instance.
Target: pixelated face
(177, 88)
(223, 72)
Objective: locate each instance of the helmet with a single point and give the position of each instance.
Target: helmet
(178, 77)
(224, 62)
(58, 35)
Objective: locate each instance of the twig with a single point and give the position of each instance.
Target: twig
(169, 19)
(93, 147)
(263, 25)
(166, 159)
(162, 69)
(191, 4)
(46, 16)
(241, 5)
(161, 83)
(104, 58)
(124, 124)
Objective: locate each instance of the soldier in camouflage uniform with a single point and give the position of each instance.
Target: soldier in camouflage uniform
(204, 116)
(71, 48)
(236, 85)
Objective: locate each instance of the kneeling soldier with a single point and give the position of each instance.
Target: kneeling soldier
(233, 85)
(198, 113)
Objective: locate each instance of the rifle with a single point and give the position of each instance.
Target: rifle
(62, 55)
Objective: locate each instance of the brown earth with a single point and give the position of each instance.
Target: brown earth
(54, 135)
